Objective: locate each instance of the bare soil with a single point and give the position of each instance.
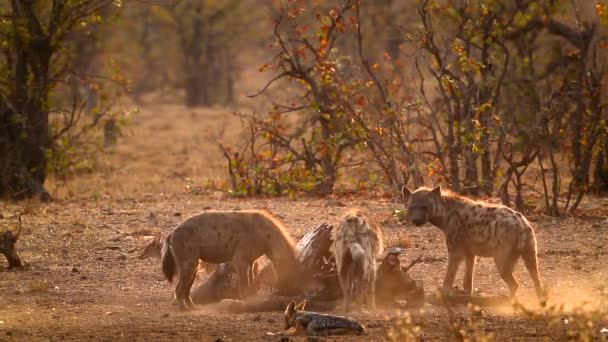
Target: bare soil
(84, 280)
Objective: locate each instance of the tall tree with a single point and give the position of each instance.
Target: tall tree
(34, 36)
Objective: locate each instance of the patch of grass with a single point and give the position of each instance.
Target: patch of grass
(404, 329)
(398, 239)
(145, 231)
(582, 323)
(39, 286)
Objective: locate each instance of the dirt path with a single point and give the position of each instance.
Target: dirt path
(85, 281)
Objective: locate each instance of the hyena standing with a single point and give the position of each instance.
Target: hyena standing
(357, 242)
(473, 229)
(240, 237)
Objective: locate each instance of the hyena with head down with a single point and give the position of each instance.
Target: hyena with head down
(472, 229)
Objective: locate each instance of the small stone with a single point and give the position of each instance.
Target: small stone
(122, 257)
(75, 270)
(257, 318)
(165, 315)
(479, 313)
(100, 258)
(531, 332)
(177, 213)
(84, 277)
(334, 203)
(271, 320)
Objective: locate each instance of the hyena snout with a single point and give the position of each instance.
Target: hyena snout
(416, 218)
(419, 221)
(418, 215)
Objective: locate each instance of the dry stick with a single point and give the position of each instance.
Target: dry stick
(19, 232)
(414, 262)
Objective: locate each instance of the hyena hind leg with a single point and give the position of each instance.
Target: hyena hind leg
(187, 297)
(531, 262)
(187, 272)
(505, 262)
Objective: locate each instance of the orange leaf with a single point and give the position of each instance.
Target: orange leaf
(361, 101)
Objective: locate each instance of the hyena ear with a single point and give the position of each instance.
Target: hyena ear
(406, 192)
(437, 190)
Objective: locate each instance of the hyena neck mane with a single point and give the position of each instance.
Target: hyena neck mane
(450, 205)
(280, 248)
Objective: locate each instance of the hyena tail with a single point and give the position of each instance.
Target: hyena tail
(167, 259)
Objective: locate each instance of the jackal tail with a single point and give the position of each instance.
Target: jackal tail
(167, 260)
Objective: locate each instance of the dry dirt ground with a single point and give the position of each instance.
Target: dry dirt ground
(85, 281)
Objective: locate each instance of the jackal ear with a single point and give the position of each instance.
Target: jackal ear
(291, 307)
(437, 190)
(406, 192)
(301, 305)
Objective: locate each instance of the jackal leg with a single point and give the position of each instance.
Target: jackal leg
(505, 262)
(454, 260)
(469, 270)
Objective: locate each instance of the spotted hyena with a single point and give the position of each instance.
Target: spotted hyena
(357, 242)
(474, 228)
(239, 237)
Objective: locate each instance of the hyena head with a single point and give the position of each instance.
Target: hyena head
(354, 218)
(421, 204)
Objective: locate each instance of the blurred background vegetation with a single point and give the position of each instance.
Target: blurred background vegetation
(486, 97)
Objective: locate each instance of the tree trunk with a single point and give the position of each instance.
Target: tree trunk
(195, 70)
(600, 173)
(24, 122)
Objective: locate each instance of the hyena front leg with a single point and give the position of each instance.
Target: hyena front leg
(346, 283)
(242, 265)
(505, 262)
(371, 299)
(454, 260)
(469, 271)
